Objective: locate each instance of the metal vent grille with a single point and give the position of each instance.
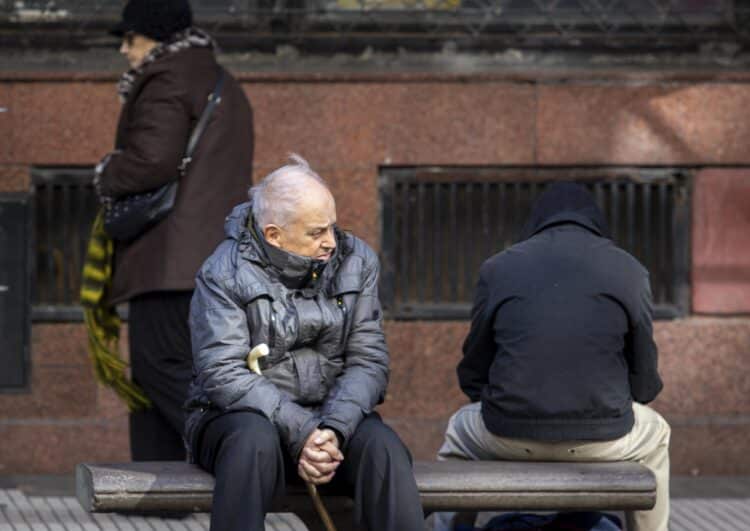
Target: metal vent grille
(64, 205)
(440, 224)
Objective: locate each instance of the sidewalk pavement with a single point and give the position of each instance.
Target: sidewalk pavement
(48, 503)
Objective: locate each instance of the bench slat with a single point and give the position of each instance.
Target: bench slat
(532, 476)
(448, 485)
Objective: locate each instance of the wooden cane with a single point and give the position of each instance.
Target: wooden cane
(319, 507)
(256, 353)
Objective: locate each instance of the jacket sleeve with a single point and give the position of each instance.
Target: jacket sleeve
(641, 352)
(479, 346)
(158, 128)
(221, 342)
(361, 385)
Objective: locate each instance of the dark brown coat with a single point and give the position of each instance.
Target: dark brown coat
(155, 123)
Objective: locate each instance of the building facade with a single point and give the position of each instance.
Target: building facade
(435, 137)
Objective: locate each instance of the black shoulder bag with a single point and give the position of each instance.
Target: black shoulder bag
(128, 217)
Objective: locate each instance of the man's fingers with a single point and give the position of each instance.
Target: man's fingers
(319, 480)
(323, 436)
(309, 469)
(322, 480)
(317, 455)
(316, 435)
(323, 454)
(301, 472)
(316, 470)
(332, 451)
(321, 469)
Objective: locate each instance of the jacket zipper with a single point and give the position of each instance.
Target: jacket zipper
(272, 331)
(344, 332)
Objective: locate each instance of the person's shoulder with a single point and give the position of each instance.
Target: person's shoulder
(184, 60)
(357, 254)
(181, 68)
(623, 259)
(221, 265)
(160, 80)
(360, 247)
(509, 259)
(228, 270)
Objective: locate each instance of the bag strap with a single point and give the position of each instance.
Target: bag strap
(213, 100)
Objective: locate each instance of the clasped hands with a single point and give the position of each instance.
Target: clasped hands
(320, 457)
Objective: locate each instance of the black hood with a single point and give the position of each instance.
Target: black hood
(565, 202)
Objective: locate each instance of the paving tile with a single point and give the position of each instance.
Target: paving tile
(193, 524)
(105, 521)
(22, 503)
(81, 516)
(46, 513)
(13, 513)
(51, 513)
(122, 522)
(63, 514)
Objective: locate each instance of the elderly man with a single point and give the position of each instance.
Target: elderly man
(286, 277)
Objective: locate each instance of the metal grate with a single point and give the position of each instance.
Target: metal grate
(64, 205)
(440, 224)
(471, 23)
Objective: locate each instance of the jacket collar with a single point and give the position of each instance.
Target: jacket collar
(294, 271)
(568, 218)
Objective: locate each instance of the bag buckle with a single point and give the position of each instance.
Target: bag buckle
(184, 164)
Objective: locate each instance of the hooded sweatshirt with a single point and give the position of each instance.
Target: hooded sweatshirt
(561, 334)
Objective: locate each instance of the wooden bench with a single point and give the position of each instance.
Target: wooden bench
(444, 486)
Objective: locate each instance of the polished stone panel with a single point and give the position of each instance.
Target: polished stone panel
(616, 123)
(369, 124)
(63, 122)
(721, 241)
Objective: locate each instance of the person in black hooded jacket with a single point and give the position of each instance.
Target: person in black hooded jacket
(560, 358)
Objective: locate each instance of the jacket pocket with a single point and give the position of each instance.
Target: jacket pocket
(262, 322)
(345, 295)
(308, 373)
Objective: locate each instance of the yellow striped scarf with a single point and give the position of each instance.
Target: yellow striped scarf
(102, 321)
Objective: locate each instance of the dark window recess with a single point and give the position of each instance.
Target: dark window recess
(440, 224)
(14, 291)
(64, 208)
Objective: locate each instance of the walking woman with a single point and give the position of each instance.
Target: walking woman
(173, 71)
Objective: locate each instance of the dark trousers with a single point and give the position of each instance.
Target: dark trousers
(161, 360)
(244, 453)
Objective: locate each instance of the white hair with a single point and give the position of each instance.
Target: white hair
(276, 197)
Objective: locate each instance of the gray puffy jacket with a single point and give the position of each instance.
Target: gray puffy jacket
(328, 361)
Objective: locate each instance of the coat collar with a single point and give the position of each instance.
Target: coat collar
(303, 273)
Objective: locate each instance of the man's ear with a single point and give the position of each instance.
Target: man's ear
(272, 233)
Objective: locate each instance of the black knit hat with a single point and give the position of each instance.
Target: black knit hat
(156, 19)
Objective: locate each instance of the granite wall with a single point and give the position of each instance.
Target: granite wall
(348, 127)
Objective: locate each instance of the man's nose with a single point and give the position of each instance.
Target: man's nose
(330, 240)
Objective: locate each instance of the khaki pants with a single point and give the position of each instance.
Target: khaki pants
(647, 443)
